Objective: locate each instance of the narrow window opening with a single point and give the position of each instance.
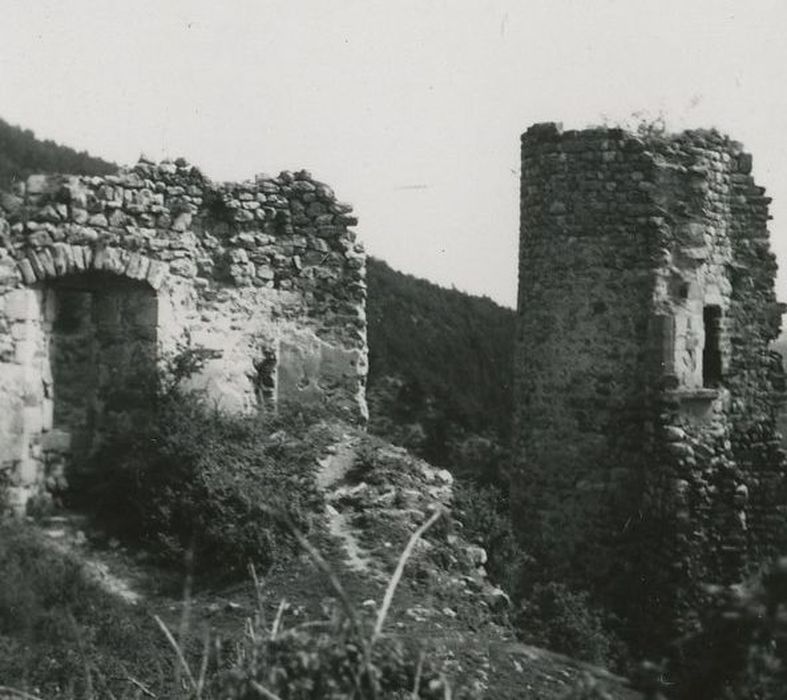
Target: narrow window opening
(266, 377)
(711, 354)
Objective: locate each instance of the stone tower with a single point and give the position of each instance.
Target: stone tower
(646, 458)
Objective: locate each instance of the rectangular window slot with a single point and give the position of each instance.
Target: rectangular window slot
(711, 354)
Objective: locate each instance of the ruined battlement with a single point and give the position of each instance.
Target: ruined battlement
(97, 273)
(647, 461)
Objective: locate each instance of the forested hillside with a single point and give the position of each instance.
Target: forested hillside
(22, 154)
(440, 368)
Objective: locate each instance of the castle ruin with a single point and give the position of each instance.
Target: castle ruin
(646, 458)
(102, 276)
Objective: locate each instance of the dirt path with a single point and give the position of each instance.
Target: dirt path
(112, 571)
(333, 469)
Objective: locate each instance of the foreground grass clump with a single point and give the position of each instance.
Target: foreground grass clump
(193, 480)
(61, 635)
(333, 662)
(343, 657)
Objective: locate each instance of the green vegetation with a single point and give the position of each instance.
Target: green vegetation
(739, 648)
(555, 617)
(485, 515)
(346, 657)
(186, 479)
(329, 662)
(61, 634)
(440, 371)
(22, 154)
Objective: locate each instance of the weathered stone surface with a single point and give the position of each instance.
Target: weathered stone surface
(128, 265)
(644, 389)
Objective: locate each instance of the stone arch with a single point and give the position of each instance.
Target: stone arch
(62, 259)
(85, 327)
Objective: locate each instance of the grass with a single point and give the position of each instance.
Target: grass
(61, 634)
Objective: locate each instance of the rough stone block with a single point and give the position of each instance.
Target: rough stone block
(62, 257)
(137, 266)
(113, 260)
(47, 414)
(16, 498)
(21, 305)
(184, 267)
(36, 184)
(157, 273)
(27, 272)
(78, 258)
(87, 255)
(56, 441)
(12, 427)
(36, 264)
(100, 256)
(47, 262)
(33, 419)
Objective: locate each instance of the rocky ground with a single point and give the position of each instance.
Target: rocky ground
(376, 497)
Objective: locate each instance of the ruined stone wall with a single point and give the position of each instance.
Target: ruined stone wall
(720, 489)
(94, 271)
(646, 459)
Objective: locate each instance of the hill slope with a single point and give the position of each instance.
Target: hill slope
(22, 154)
(374, 497)
(440, 364)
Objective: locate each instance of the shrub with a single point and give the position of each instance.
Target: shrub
(185, 479)
(328, 661)
(486, 521)
(61, 635)
(556, 617)
(197, 480)
(739, 649)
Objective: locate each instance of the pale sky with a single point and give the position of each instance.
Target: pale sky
(409, 109)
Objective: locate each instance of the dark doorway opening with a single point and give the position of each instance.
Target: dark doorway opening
(102, 351)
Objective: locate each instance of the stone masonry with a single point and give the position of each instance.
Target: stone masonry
(646, 458)
(103, 276)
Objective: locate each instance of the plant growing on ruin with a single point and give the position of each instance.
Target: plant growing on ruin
(188, 477)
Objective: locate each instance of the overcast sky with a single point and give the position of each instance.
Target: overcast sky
(411, 110)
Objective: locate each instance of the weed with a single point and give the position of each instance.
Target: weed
(61, 635)
(556, 617)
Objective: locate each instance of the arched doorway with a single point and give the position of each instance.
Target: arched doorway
(102, 340)
(80, 355)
